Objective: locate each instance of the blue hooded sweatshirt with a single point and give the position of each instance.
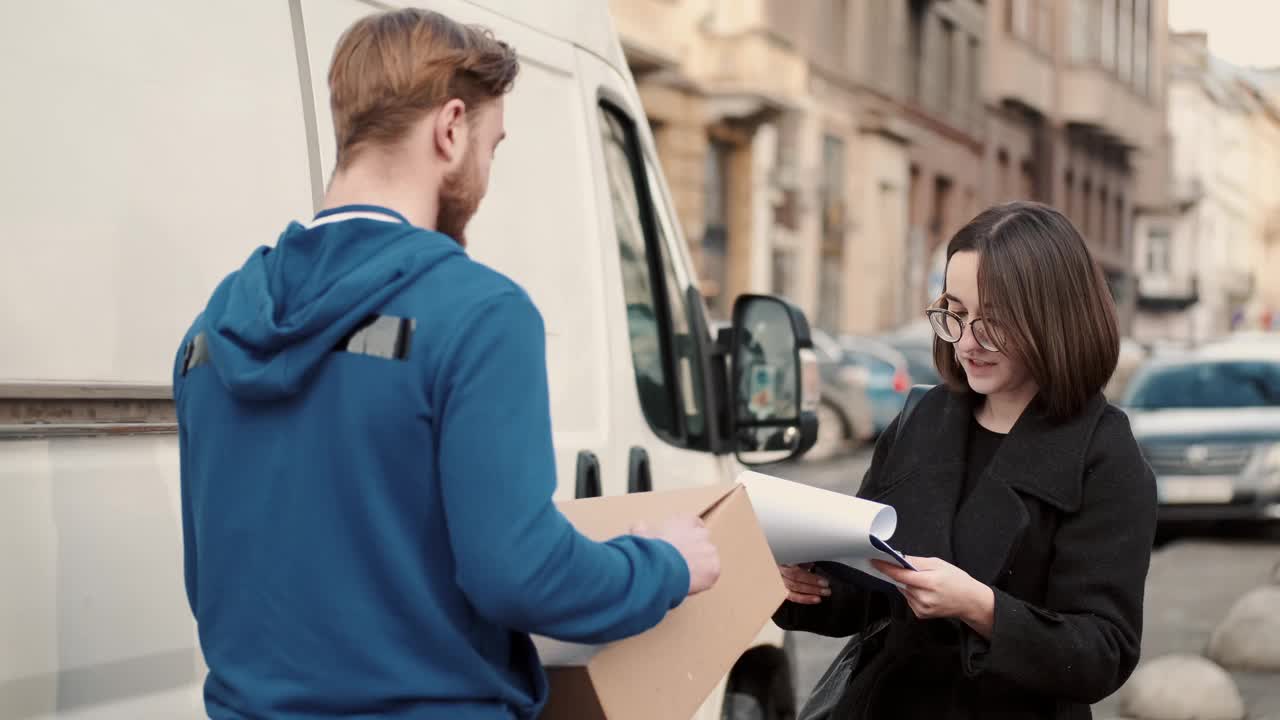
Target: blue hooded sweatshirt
(367, 478)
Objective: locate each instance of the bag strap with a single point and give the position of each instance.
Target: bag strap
(913, 399)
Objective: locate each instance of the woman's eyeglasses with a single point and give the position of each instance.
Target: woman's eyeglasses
(950, 327)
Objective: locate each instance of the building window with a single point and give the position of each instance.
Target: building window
(1159, 251)
(952, 92)
(1086, 211)
(1018, 18)
(830, 280)
(832, 184)
(1104, 219)
(1120, 223)
(918, 17)
(834, 32)
(1069, 191)
(1044, 25)
(1083, 38)
(783, 271)
(1031, 21)
(939, 215)
(787, 148)
(831, 262)
(1107, 51)
(1028, 181)
(975, 83)
(1142, 45)
(715, 235)
(917, 265)
(877, 45)
(1124, 41)
(1002, 169)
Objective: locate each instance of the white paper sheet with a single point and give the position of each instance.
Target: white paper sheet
(807, 524)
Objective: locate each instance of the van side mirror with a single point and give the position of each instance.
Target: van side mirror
(774, 381)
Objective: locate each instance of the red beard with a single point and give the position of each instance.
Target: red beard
(459, 200)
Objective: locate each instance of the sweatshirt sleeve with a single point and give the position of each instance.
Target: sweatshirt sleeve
(518, 559)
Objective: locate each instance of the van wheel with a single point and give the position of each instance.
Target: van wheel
(760, 687)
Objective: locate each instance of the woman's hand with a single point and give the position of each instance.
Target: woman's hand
(803, 586)
(938, 589)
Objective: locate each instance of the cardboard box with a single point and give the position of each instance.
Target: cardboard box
(668, 672)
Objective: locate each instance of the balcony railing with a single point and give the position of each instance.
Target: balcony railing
(1168, 291)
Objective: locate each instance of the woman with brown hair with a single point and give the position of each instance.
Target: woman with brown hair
(1024, 503)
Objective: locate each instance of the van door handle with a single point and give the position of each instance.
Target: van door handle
(588, 484)
(639, 475)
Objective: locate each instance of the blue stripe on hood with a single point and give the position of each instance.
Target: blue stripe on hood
(270, 324)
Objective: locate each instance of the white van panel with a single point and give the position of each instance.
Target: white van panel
(153, 145)
(94, 614)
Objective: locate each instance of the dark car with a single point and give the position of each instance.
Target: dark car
(1209, 425)
(889, 377)
(844, 414)
(915, 342)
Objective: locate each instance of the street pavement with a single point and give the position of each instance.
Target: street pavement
(1193, 582)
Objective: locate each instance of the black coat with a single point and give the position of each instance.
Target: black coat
(1060, 525)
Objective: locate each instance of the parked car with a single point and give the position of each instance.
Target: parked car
(1209, 425)
(1132, 356)
(888, 377)
(915, 342)
(844, 413)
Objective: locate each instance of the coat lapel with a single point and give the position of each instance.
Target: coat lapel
(1039, 458)
(988, 525)
(927, 473)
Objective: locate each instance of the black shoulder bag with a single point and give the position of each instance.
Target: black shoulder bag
(830, 690)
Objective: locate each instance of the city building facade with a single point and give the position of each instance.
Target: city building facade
(1202, 260)
(827, 150)
(1077, 94)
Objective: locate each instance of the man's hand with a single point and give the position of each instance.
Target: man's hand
(690, 536)
(938, 589)
(803, 586)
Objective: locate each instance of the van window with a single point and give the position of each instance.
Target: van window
(687, 356)
(663, 351)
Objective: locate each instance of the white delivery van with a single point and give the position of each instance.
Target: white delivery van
(151, 145)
